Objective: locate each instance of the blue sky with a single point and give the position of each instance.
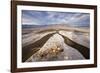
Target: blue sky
(31, 17)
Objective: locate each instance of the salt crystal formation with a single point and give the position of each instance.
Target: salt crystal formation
(55, 49)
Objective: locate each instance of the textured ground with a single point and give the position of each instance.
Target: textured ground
(55, 45)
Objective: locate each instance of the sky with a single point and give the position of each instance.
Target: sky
(32, 17)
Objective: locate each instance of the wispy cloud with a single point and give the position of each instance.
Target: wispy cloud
(50, 17)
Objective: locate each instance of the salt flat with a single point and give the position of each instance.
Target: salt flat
(81, 38)
(54, 43)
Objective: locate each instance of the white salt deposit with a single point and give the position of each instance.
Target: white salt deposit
(56, 42)
(80, 38)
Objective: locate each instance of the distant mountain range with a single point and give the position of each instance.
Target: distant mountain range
(52, 25)
(33, 26)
